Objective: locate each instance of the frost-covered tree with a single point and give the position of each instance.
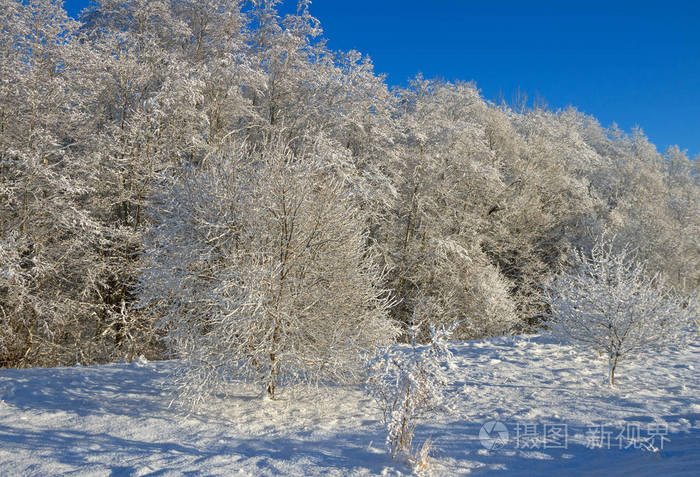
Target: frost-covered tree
(432, 240)
(60, 255)
(543, 206)
(260, 267)
(610, 304)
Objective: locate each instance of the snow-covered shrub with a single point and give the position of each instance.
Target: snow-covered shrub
(408, 383)
(612, 305)
(260, 268)
(453, 282)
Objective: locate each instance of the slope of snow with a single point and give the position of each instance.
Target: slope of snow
(116, 420)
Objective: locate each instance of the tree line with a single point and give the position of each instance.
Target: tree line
(188, 175)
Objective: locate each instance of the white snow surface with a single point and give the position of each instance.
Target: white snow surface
(116, 420)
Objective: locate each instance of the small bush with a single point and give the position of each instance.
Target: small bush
(407, 385)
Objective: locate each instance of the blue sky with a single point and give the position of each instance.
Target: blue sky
(633, 63)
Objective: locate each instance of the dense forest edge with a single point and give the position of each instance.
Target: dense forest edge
(188, 175)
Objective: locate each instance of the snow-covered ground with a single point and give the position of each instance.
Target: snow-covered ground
(115, 420)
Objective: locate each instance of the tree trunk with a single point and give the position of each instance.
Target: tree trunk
(613, 366)
(272, 376)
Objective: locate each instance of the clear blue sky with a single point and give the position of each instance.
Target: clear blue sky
(633, 63)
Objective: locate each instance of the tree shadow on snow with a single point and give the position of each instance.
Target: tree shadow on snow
(122, 389)
(266, 456)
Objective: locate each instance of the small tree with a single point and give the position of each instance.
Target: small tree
(260, 267)
(409, 384)
(611, 304)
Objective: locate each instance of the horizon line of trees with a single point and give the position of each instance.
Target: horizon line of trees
(212, 167)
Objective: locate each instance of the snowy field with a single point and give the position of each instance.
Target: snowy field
(557, 417)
